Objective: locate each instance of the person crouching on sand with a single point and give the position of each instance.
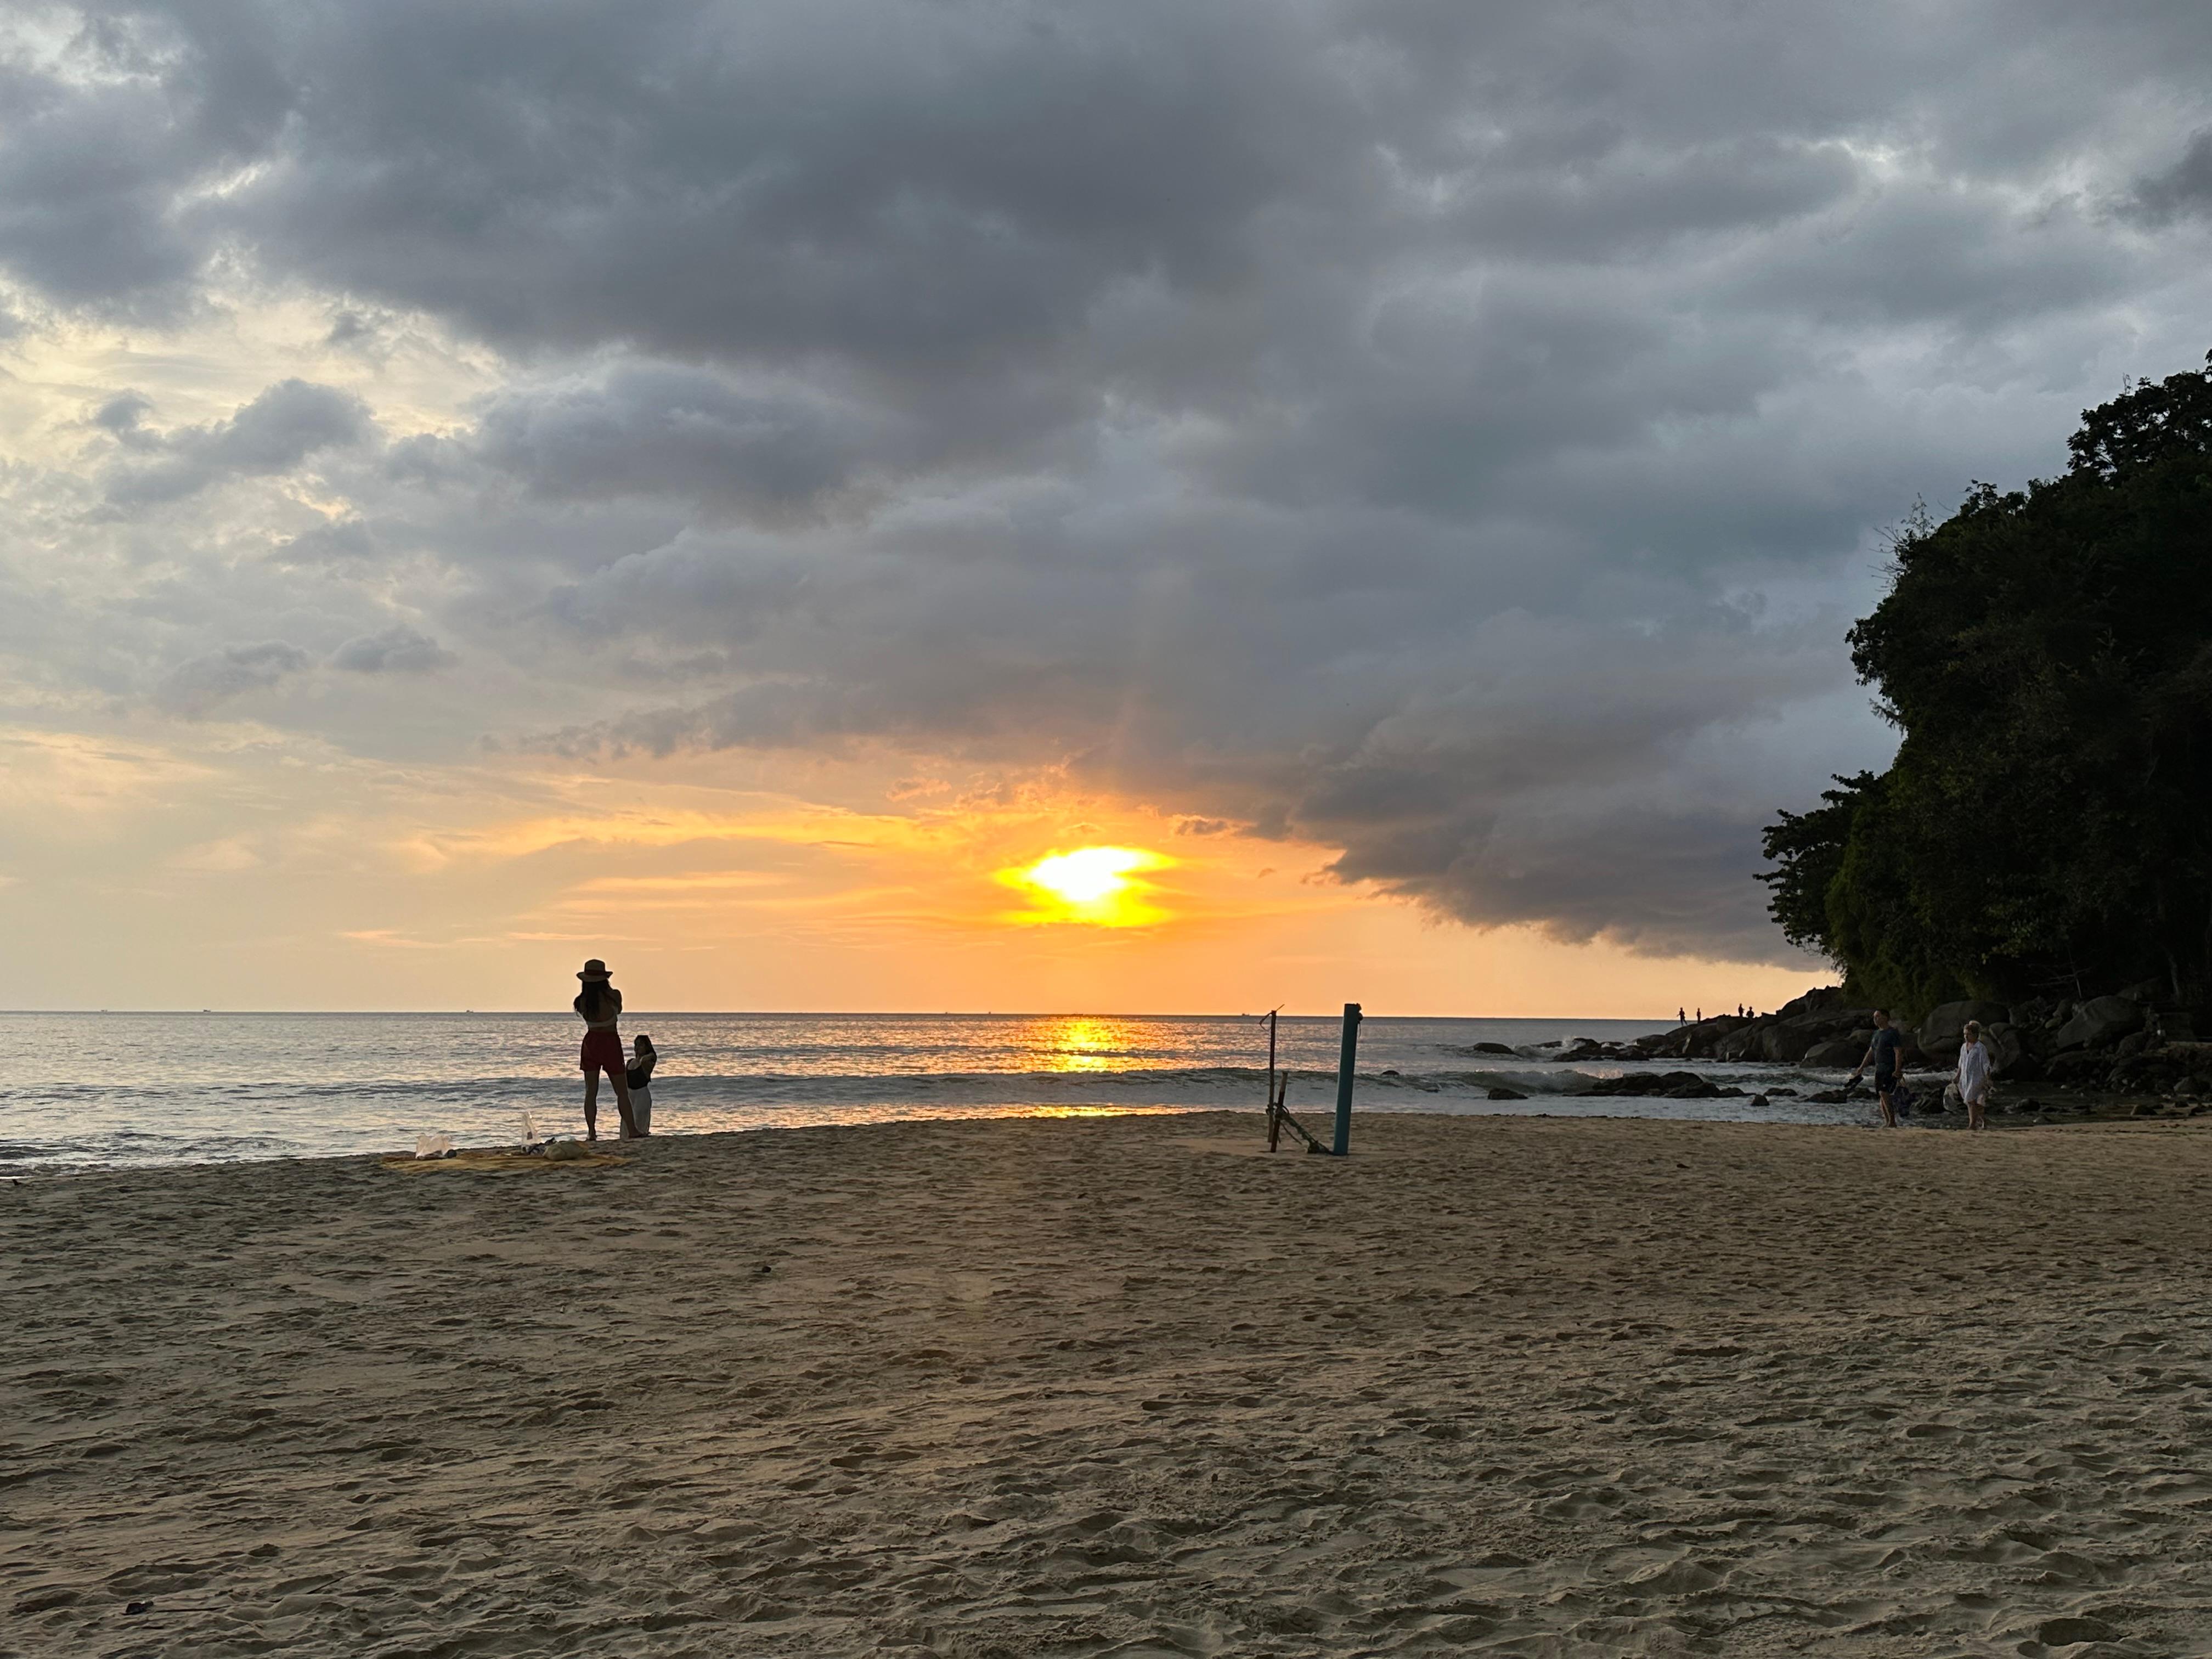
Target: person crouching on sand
(600, 1004)
(1974, 1076)
(641, 1081)
(1882, 1054)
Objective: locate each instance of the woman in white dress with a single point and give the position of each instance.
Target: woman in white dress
(640, 1078)
(1974, 1076)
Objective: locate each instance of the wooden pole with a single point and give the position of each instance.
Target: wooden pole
(1347, 1059)
(1274, 1104)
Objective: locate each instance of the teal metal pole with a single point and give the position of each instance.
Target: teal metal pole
(1346, 1060)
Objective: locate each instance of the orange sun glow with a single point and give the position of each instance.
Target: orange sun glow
(1092, 884)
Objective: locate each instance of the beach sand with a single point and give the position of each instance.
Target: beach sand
(1125, 1385)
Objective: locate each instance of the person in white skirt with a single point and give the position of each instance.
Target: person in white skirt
(639, 1079)
(1974, 1076)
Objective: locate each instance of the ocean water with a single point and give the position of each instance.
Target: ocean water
(138, 1088)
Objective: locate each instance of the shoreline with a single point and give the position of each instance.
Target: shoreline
(2055, 1107)
(2058, 1109)
(1124, 1385)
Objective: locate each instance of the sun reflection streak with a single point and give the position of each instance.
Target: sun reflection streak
(1084, 1045)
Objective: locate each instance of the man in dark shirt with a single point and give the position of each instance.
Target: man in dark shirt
(1882, 1054)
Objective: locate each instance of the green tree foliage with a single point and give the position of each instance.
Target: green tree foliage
(2047, 654)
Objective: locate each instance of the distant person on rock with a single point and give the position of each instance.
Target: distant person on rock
(1974, 1076)
(600, 1004)
(1882, 1054)
(1681, 1017)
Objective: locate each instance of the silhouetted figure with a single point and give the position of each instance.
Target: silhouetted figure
(640, 1075)
(600, 1004)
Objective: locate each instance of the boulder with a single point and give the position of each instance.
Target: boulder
(1741, 1043)
(1786, 1042)
(2098, 1023)
(1654, 1085)
(1703, 1040)
(1836, 1051)
(2008, 1047)
(1825, 1000)
(1939, 1032)
(2080, 1068)
(2015, 1063)
(1507, 1094)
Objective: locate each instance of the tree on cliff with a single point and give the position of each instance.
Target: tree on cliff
(2047, 654)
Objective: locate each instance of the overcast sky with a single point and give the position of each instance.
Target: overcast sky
(452, 455)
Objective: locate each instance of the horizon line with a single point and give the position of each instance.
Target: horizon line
(780, 1013)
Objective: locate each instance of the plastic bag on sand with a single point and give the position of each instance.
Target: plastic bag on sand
(530, 1140)
(434, 1145)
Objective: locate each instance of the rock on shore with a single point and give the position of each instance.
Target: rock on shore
(2132, 1039)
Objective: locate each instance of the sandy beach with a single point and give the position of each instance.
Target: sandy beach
(1125, 1386)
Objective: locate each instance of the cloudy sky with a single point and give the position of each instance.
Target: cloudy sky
(719, 486)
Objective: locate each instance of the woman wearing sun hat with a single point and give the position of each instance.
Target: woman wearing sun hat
(600, 1004)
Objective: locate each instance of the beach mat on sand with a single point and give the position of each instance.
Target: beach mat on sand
(502, 1160)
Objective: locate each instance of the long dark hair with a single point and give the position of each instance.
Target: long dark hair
(591, 998)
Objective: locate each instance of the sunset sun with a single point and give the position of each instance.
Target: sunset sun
(1093, 884)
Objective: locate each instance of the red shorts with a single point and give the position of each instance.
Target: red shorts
(603, 1052)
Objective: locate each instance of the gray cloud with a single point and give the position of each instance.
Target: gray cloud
(1455, 434)
(658, 429)
(2181, 190)
(399, 649)
(197, 688)
(274, 433)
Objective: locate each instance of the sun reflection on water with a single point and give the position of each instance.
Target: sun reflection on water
(1085, 1044)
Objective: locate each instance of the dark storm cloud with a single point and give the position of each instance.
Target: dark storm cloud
(2184, 189)
(1457, 434)
(657, 429)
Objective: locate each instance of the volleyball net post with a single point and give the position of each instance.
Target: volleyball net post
(1278, 1086)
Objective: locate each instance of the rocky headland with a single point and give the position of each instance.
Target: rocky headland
(2134, 1049)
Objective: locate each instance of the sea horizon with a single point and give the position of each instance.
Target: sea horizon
(632, 1015)
(122, 1088)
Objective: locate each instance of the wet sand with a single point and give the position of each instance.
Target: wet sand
(1125, 1386)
